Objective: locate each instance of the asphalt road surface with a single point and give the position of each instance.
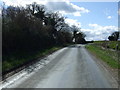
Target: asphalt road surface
(71, 67)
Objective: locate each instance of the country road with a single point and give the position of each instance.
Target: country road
(71, 67)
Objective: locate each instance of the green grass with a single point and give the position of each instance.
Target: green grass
(104, 55)
(110, 44)
(15, 61)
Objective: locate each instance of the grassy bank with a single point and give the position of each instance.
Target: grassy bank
(18, 60)
(108, 44)
(108, 56)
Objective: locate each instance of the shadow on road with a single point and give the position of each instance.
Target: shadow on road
(75, 46)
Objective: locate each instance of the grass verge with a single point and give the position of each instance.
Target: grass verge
(104, 55)
(110, 44)
(15, 61)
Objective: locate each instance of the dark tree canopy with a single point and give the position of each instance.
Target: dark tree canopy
(26, 31)
(111, 38)
(78, 36)
(114, 36)
(31, 29)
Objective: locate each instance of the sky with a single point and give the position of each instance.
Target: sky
(97, 20)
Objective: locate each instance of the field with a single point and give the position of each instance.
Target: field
(106, 51)
(108, 44)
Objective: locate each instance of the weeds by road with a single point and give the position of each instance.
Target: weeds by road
(15, 62)
(108, 56)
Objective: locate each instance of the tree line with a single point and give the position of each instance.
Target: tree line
(114, 36)
(32, 28)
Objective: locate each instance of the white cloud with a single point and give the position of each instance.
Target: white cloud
(63, 6)
(66, 8)
(22, 2)
(93, 25)
(73, 22)
(77, 14)
(107, 13)
(109, 17)
(98, 32)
